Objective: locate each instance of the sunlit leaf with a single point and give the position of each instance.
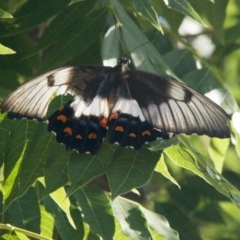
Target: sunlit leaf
(184, 7)
(146, 10)
(4, 14)
(6, 50)
(162, 168)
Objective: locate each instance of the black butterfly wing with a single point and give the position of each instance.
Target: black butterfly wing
(77, 124)
(31, 99)
(129, 107)
(173, 107)
(127, 125)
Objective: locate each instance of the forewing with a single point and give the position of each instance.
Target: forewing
(31, 99)
(173, 107)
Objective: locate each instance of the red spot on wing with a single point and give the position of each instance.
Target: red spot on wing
(146, 133)
(132, 135)
(68, 130)
(78, 136)
(62, 118)
(119, 129)
(92, 136)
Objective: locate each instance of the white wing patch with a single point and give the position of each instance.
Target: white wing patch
(128, 106)
(176, 91)
(32, 98)
(155, 116)
(177, 115)
(98, 107)
(195, 116)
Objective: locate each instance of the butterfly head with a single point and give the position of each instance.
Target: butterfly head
(124, 63)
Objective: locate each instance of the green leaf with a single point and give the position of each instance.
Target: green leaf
(130, 169)
(65, 21)
(232, 34)
(130, 218)
(146, 10)
(14, 64)
(32, 143)
(135, 220)
(84, 168)
(214, 13)
(64, 228)
(155, 235)
(4, 14)
(159, 224)
(4, 137)
(84, 34)
(56, 174)
(162, 168)
(217, 152)
(21, 236)
(97, 212)
(34, 13)
(17, 139)
(47, 222)
(160, 144)
(168, 18)
(37, 154)
(186, 156)
(119, 232)
(179, 217)
(59, 196)
(24, 212)
(6, 50)
(201, 80)
(185, 8)
(181, 62)
(10, 236)
(18, 233)
(144, 58)
(110, 47)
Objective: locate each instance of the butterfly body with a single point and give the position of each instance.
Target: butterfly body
(125, 106)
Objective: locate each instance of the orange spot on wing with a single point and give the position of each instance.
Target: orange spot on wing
(119, 129)
(103, 122)
(92, 136)
(113, 116)
(61, 108)
(78, 136)
(68, 130)
(144, 133)
(62, 118)
(132, 135)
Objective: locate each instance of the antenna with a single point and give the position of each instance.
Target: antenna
(118, 25)
(142, 44)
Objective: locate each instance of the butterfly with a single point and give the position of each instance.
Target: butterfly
(127, 107)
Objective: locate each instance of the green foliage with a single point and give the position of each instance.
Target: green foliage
(49, 193)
